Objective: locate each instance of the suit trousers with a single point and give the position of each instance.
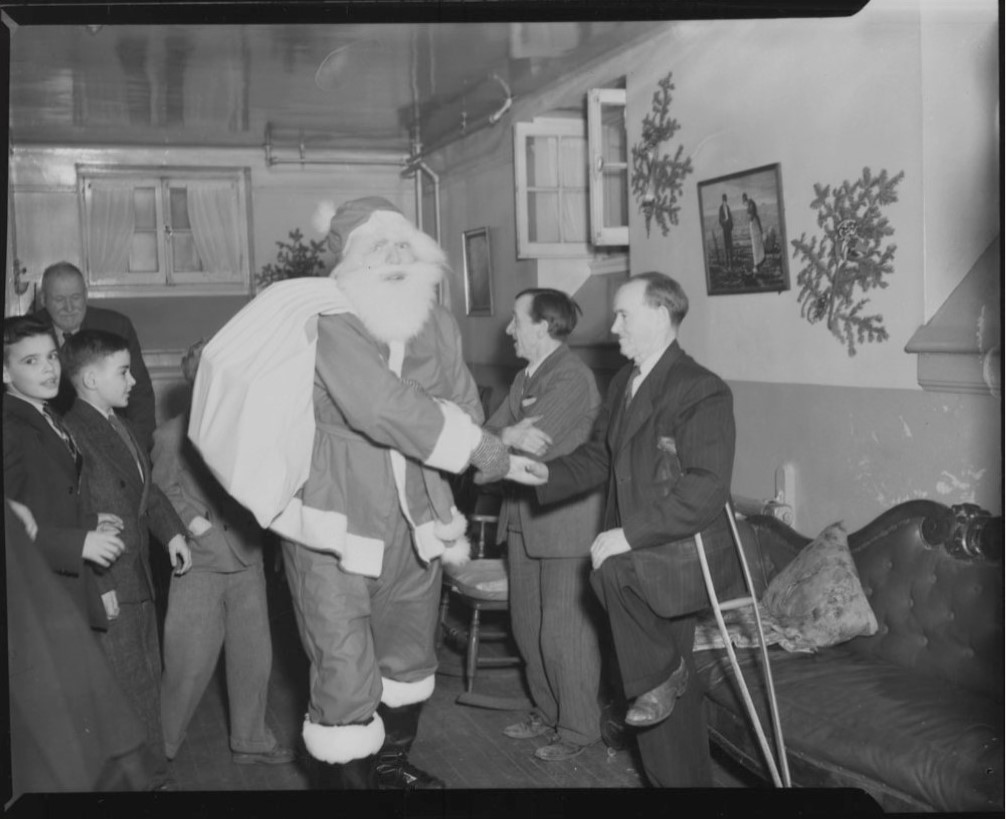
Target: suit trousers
(356, 629)
(208, 611)
(649, 648)
(553, 617)
(134, 654)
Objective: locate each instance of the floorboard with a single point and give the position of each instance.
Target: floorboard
(463, 745)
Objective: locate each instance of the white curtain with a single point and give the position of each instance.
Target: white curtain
(111, 229)
(213, 215)
(573, 178)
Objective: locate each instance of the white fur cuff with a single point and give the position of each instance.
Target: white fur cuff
(397, 694)
(339, 744)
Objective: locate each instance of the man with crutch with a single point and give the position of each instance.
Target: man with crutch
(663, 443)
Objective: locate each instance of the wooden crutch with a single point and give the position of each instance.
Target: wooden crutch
(737, 603)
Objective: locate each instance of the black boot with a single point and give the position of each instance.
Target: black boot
(357, 774)
(394, 771)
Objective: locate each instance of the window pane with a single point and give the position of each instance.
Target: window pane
(143, 253)
(542, 162)
(575, 214)
(186, 257)
(573, 162)
(613, 133)
(180, 209)
(616, 198)
(144, 209)
(543, 217)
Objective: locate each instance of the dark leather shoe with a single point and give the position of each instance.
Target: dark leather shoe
(395, 772)
(656, 705)
(357, 774)
(558, 750)
(533, 726)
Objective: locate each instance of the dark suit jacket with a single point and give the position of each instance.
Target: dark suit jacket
(71, 727)
(563, 394)
(667, 465)
(40, 473)
(140, 411)
(116, 486)
(235, 539)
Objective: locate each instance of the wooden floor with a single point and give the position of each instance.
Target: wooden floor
(463, 745)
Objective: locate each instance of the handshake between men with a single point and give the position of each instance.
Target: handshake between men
(528, 471)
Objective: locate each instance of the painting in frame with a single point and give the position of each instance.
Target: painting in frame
(478, 273)
(744, 232)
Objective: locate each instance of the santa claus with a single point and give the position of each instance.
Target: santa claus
(365, 533)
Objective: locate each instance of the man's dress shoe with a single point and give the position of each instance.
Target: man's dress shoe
(657, 704)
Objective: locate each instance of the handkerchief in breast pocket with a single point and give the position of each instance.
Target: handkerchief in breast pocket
(527, 402)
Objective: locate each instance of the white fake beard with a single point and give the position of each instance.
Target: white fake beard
(391, 310)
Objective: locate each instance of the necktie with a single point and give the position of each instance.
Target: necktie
(61, 430)
(628, 386)
(67, 335)
(127, 439)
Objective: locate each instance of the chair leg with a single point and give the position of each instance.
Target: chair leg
(472, 655)
(445, 600)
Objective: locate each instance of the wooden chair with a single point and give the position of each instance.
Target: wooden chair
(481, 585)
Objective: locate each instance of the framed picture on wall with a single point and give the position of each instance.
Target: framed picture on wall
(478, 273)
(744, 232)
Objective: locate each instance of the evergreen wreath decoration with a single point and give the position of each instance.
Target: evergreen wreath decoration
(848, 258)
(657, 181)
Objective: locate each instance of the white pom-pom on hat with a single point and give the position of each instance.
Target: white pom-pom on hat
(321, 219)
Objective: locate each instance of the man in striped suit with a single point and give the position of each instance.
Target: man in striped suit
(663, 443)
(551, 408)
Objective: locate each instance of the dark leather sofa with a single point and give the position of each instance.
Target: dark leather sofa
(913, 714)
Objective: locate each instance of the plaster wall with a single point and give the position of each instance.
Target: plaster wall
(905, 85)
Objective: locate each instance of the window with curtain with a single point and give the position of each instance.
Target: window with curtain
(165, 232)
(551, 180)
(571, 182)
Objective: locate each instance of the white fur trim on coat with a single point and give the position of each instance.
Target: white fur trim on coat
(325, 531)
(397, 694)
(339, 744)
(458, 438)
(457, 553)
(453, 529)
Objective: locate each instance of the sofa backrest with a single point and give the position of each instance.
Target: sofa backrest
(939, 611)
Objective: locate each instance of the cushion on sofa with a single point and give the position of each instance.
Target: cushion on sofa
(865, 719)
(814, 601)
(819, 594)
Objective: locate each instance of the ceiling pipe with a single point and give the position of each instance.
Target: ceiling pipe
(467, 128)
(335, 157)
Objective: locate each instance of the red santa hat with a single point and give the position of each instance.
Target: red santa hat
(349, 216)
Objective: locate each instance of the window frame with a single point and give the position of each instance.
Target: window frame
(166, 281)
(601, 235)
(543, 127)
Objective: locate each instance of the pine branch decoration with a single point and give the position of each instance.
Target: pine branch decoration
(848, 258)
(657, 181)
(294, 260)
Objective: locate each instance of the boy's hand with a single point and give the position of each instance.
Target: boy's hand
(181, 556)
(111, 601)
(107, 522)
(102, 548)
